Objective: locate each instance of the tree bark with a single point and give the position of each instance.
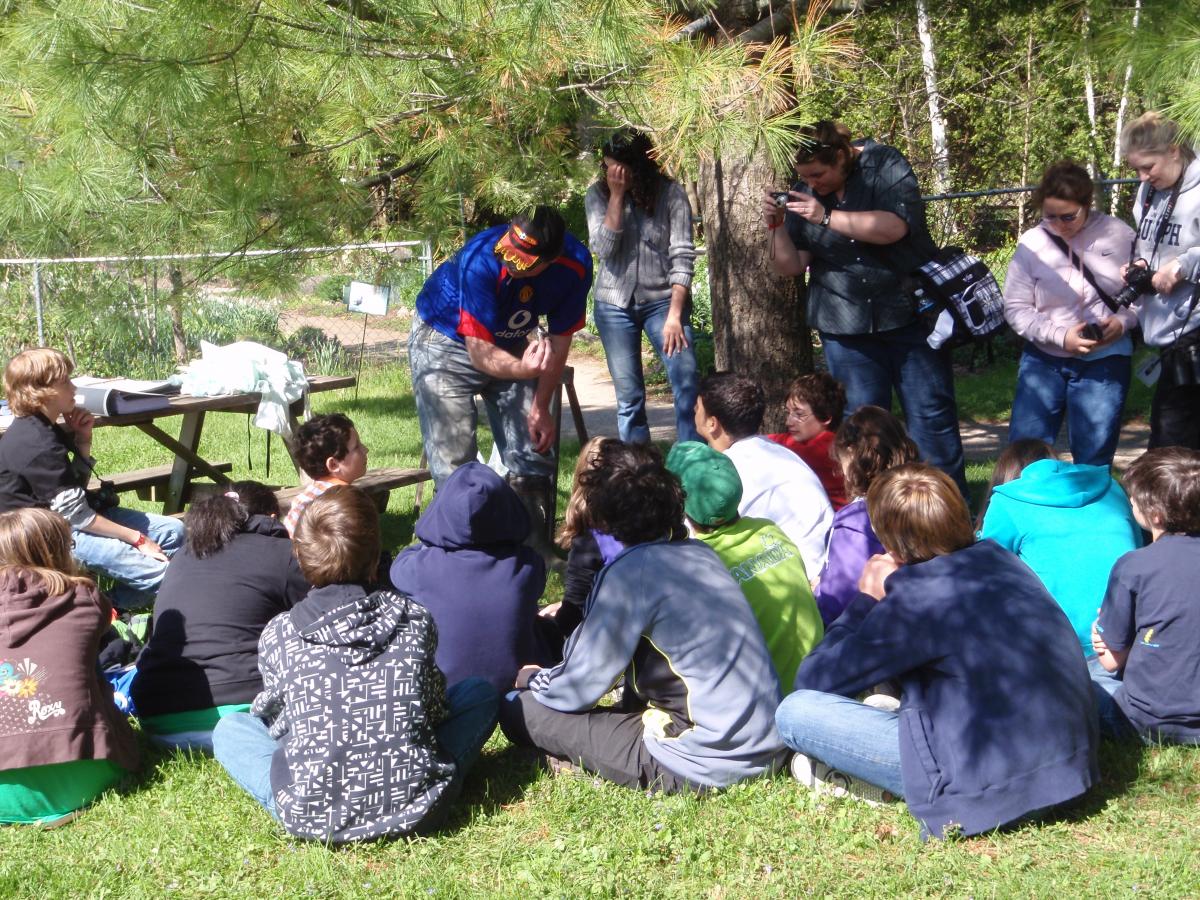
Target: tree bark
(759, 326)
(1089, 91)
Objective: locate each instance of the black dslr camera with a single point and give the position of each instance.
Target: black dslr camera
(1137, 282)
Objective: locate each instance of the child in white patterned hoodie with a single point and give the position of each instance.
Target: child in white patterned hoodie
(354, 736)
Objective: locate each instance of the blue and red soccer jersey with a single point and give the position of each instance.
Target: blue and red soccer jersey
(472, 294)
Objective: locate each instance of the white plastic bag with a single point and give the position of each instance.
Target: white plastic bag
(249, 366)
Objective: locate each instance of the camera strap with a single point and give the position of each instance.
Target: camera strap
(1078, 262)
(1163, 223)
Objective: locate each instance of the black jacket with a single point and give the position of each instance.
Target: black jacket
(203, 650)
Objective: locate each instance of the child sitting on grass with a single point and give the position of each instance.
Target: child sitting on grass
(235, 573)
(700, 689)
(868, 443)
(62, 741)
(48, 465)
(472, 571)
(1148, 632)
(762, 560)
(815, 403)
(354, 736)
(329, 452)
(1067, 522)
(996, 719)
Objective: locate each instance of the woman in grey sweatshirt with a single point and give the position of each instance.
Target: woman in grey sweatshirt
(1167, 212)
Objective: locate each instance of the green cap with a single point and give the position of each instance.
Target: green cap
(711, 484)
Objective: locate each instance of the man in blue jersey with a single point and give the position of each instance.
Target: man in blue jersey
(471, 336)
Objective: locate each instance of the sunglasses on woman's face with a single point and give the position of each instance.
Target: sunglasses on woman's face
(1065, 218)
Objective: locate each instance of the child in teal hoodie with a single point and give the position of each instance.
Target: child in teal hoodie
(1067, 522)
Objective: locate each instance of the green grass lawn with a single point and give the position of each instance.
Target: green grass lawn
(182, 828)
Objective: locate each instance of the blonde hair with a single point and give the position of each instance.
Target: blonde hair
(28, 376)
(917, 513)
(575, 519)
(1153, 132)
(337, 540)
(38, 541)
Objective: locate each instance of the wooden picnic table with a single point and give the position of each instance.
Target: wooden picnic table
(188, 462)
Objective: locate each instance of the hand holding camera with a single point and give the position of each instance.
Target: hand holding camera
(1139, 278)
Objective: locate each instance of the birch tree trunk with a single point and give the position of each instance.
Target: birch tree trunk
(1122, 108)
(937, 122)
(1089, 91)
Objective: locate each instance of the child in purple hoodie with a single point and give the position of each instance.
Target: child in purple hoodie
(473, 573)
(868, 443)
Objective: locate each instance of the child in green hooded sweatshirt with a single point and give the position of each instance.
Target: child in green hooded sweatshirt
(760, 557)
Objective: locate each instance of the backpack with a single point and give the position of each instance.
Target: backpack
(957, 299)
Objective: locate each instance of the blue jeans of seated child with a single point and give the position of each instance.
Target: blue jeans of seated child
(242, 744)
(844, 734)
(1089, 393)
(137, 575)
(621, 333)
(1113, 723)
(869, 366)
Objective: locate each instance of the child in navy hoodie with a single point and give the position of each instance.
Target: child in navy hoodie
(1149, 626)
(476, 577)
(996, 718)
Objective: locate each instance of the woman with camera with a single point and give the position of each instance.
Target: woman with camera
(856, 222)
(640, 228)
(1167, 212)
(1059, 296)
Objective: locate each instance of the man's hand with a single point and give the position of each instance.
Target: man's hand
(536, 357)
(673, 339)
(875, 572)
(541, 427)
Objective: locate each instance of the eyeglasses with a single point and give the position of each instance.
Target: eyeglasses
(798, 414)
(1065, 218)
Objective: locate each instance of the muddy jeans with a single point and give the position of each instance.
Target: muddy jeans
(445, 385)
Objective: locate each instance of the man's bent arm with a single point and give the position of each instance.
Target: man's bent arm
(491, 360)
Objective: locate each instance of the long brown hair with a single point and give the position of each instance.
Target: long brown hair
(38, 541)
(1011, 464)
(872, 441)
(575, 520)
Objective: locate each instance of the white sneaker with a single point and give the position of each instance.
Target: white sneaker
(882, 701)
(818, 777)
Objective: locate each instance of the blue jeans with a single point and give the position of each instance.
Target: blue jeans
(844, 734)
(242, 744)
(137, 575)
(1089, 393)
(621, 333)
(870, 366)
(1113, 723)
(445, 384)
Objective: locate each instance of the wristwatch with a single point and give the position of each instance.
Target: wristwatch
(825, 219)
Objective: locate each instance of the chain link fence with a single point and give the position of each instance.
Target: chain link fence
(141, 316)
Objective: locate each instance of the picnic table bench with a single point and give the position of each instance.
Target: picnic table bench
(378, 483)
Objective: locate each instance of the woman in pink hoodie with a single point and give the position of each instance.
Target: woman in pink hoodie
(1058, 296)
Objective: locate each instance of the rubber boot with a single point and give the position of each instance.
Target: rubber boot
(536, 493)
